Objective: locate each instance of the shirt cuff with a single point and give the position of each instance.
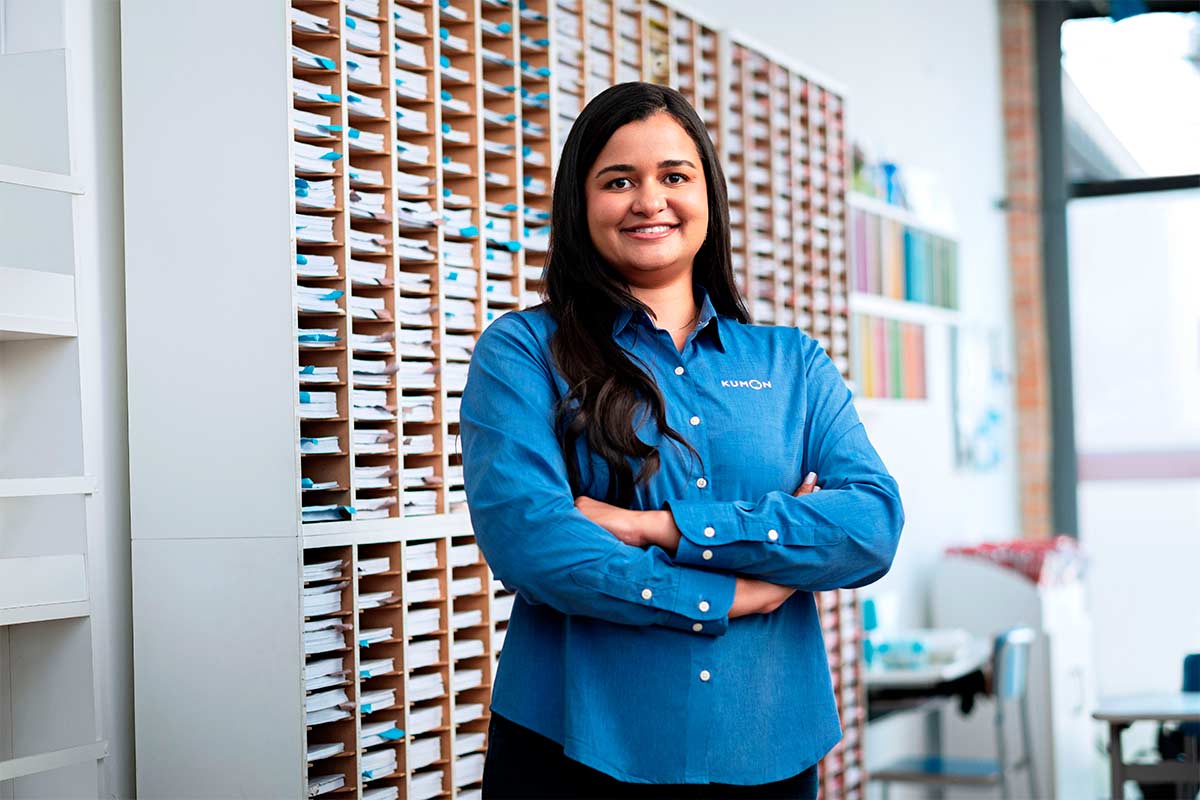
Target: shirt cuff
(709, 528)
(702, 602)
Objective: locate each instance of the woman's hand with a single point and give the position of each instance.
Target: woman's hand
(752, 596)
(809, 486)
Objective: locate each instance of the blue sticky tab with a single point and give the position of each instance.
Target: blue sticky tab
(446, 95)
(363, 643)
(334, 295)
(526, 150)
(368, 774)
(510, 117)
(305, 397)
(543, 71)
(444, 61)
(302, 193)
(504, 27)
(350, 23)
(513, 247)
(366, 709)
(353, 133)
(300, 183)
(446, 192)
(393, 734)
(510, 88)
(306, 483)
(445, 127)
(329, 98)
(444, 33)
(331, 156)
(542, 42)
(524, 92)
(308, 439)
(542, 96)
(445, 159)
(452, 275)
(350, 510)
(364, 673)
(444, 3)
(470, 230)
(510, 206)
(308, 369)
(327, 63)
(301, 258)
(524, 64)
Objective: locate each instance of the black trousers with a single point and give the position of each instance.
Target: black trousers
(524, 765)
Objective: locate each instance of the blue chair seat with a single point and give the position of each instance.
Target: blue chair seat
(938, 769)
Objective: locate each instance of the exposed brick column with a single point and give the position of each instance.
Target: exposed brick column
(1019, 83)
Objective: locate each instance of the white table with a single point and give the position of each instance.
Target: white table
(974, 656)
(1121, 712)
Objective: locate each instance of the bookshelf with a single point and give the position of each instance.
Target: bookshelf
(399, 159)
(53, 654)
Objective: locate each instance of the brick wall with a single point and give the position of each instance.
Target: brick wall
(1019, 77)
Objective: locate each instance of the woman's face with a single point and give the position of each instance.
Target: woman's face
(647, 201)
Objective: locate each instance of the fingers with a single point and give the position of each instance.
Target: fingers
(808, 486)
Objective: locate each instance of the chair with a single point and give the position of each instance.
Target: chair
(1010, 681)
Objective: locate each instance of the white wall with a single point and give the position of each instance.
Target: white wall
(88, 29)
(923, 85)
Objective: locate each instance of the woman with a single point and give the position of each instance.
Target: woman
(631, 449)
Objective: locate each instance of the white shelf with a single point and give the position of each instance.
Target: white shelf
(40, 179)
(39, 588)
(901, 215)
(903, 310)
(36, 304)
(40, 487)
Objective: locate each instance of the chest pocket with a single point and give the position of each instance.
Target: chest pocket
(759, 441)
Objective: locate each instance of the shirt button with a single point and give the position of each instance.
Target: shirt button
(647, 594)
(772, 534)
(697, 627)
(679, 370)
(694, 420)
(703, 605)
(701, 482)
(707, 554)
(710, 532)
(705, 675)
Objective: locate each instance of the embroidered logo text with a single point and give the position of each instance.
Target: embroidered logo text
(753, 383)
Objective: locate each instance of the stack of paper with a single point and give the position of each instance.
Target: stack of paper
(310, 60)
(417, 375)
(373, 477)
(464, 555)
(499, 230)
(422, 590)
(310, 23)
(313, 445)
(361, 105)
(425, 687)
(371, 343)
(467, 648)
(498, 262)
(326, 715)
(423, 620)
(374, 733)
(363, 242)
(537, 239)
(364, 8)
(372, 372)
(495, 57)
(423, 653)
(369, 308)
(314, 158)
(363, 70)
(410, 119)
(314, 266)
(423, 720)
(465, 586)
(467, 712)
(456, 167)
(376, 700)
(498, 148)
(458, 346)
(373, 507)
(308, 92)
(415, 343)
(374, 667)
(417, 216)
(325, 635)
(418, 476)
(368, 177)
(455, 376)
(330, 698)
(535, 158)
(409, 53)
(412, 153)
(495, 119)
(452, 42)
(317, 751)
(532, 273)
(368, 273)
(425, 785)
(324, 570)
(452, 73)
(414, 311)
(456, 500)
(460, 315)
(325, 513)
(313, 228)
(308, 484)
(467, 679)
(362, 34)
(369, 636)
(421, 556)
(378, 763)
(415, 445)
(324, 784)
(451, 408)
(408, 20)
(423, 752)
(458, 254)
(456, 135)
(371, 404)
(468, 769)
(455, 200)
(310, 123)
(420, 503)
(410, 185)
(366, 205)
(466, 619)
(468, 743)
(313, 374)
(461, 283)
(502, 607)
(317, 405)
(392, 793)
(331, 672)
(495, 178)
(374, 566)
(411, 85)
(500, 292)
(409, 249)
(452, 103)
(418, 408)
(414, 281)
(498, 639)
(453, 12)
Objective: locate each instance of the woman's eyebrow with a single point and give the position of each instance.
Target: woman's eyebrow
(673, 162)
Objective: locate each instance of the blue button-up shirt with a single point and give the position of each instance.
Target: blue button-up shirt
(626, 655)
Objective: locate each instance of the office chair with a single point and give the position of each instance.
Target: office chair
(1010, 681)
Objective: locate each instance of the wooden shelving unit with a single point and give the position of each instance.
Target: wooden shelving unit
(420, 155)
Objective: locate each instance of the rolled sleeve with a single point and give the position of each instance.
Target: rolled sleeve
(523, 514)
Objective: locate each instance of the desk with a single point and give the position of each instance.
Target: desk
(975, 655)
(1121, 712)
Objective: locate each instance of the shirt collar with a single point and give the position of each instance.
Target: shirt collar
(708, 319)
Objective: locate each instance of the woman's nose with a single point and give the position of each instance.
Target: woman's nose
(649, 200)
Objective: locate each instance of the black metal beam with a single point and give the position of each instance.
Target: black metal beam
(1088, 9)
(1048, 20)
(1164, 183)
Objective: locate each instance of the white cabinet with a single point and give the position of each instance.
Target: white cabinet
(984, 599)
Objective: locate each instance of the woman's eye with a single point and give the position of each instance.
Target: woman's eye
(613, 183)
(676, 178)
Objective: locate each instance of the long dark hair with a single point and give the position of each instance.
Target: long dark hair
(609, 396)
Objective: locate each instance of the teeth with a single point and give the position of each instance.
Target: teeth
(654, 229)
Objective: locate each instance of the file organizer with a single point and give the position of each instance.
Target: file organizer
(417, 145)
(889, 358)
(54, 686)
(896, 256)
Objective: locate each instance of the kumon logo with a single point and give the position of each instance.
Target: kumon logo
(754, 384)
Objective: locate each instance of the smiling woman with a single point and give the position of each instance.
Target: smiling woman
(641, 469)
